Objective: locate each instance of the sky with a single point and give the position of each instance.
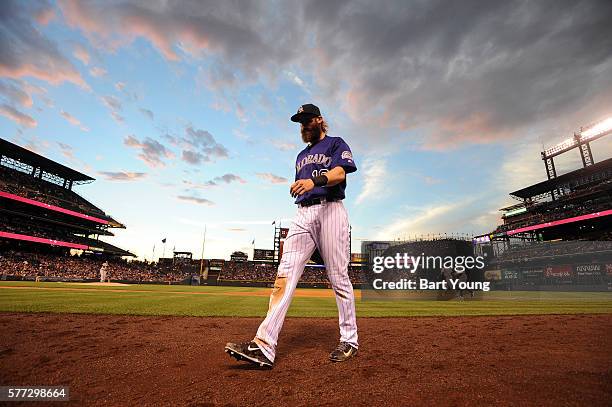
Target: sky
(180, 109)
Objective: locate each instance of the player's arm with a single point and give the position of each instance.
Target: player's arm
(335, 176)
(332, 177)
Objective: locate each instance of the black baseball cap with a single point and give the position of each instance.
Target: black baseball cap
(306, 111)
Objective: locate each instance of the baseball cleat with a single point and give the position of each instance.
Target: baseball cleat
(343, 352)
(249, 352)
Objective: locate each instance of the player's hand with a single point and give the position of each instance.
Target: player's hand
(300, 187)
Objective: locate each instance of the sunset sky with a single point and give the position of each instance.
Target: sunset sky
(180, 109)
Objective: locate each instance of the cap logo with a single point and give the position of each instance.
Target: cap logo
(301, 109)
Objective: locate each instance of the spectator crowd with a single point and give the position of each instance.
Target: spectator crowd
(39, 265)
(265, 272)
(52, 266)
(531, 251)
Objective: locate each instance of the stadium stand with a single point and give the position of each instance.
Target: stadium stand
(39, 211)
(559, 236)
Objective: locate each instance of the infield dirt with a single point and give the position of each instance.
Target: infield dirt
(133, 360)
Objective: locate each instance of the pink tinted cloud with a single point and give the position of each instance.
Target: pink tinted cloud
(81, 53)
(48, 70)
(127, 21)
(20, 92)
(97, 71)
(73, 120)
(274, 179)
(152, 152)
(452, 132)
(27, 52)
(20, 118)
(122, 175)
(44, 16)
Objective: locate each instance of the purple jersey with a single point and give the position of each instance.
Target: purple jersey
(316, 160)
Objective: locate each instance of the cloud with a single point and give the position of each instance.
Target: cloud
(284, 145)
(66, 150)
(26, 51)
(200, 146)
(229, 178)
(44, 16)
(218, 77)
(241, 135)
(192, 157)
(19, 92)
(15, 115)
(73, 120)
(200, 201)
(274, 179)
(97, 71)
(440, 75)
(196, 27)
(152, 152)
(122, 175)
(297, 80)
(147, 113)
(374, 180)
(81, 53)
(115, 107)
(431, 180)
(432, 219)
(195, 185)
(112, 103)
(117, 117)
(225, 179)
(236, 230)
(241, 112)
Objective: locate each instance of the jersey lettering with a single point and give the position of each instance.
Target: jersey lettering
(320, 159)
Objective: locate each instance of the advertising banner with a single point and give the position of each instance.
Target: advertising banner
(560, 271)
(492, 275)
(533, 273)
(589, 270)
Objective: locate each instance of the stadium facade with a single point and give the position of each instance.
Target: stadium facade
(559, 235)
(38, 206)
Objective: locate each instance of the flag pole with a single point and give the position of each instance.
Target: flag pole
(202, 255)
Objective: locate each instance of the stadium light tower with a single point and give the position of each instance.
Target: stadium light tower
(595, 130)
(580, 140)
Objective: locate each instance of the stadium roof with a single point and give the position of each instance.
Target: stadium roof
(29, 157)
(551, 184)
(99, 245)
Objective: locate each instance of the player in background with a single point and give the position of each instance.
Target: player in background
(103, 272)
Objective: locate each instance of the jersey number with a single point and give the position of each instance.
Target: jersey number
(316, 173)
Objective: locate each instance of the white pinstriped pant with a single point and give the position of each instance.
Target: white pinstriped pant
(324, 226)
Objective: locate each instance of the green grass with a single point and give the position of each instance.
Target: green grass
(215, 301)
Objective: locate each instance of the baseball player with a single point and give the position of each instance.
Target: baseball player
(103, 271)
(321, 222)
(460, 276)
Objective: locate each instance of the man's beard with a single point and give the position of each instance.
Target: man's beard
(312, 133)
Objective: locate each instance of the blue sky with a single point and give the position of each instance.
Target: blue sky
(180, 110)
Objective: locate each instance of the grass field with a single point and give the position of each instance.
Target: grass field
(247, 301)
